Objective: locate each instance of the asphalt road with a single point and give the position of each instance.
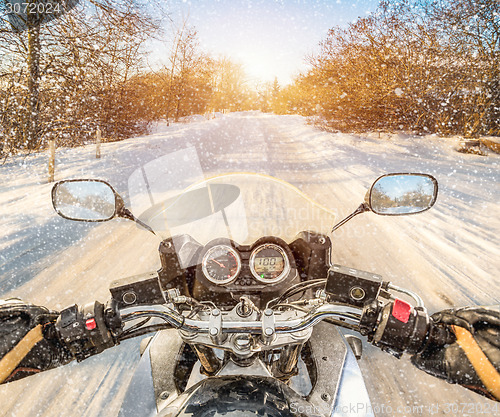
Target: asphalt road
(393, 247)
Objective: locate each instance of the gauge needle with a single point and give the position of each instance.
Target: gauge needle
(219, 263)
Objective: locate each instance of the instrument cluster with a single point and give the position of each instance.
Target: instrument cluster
(226, 266)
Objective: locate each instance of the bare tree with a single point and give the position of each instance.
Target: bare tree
(183, 85)
(73, 73)
(231, 91)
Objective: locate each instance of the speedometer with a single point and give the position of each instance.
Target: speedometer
(221, 264)
(269, 263)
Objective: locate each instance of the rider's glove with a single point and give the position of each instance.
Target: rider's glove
(473, 360)
(28, 341)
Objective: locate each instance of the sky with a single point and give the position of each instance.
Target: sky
(270, 38)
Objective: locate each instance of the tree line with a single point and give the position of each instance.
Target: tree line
(415, 65)
(427, 66)
(89, 69)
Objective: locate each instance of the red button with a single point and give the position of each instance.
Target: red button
(90, 324)
(401, 310)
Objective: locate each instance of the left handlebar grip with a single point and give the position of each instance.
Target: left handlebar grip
(88, 330)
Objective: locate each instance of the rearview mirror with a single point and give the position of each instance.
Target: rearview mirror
(400, 194)
(85, 200)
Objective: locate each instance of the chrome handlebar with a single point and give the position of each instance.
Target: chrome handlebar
(268, 325)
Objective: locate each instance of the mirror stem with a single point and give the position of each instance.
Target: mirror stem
(361, 209)
(127, 214)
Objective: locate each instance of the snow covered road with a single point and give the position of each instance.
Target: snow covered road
(450, 255)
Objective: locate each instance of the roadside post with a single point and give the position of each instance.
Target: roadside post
(98, 144)
(52, 159)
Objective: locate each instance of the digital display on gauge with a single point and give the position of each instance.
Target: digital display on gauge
(269, 263)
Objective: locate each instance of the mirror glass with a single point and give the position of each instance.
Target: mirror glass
(86, 200)
(398, 194)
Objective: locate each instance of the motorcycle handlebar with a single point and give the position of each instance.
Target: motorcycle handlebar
(396, 327)
(269, 320)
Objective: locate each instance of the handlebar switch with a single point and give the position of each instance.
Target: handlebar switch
(401, 310)
(402, 328)
(84, 330)
(68, 316)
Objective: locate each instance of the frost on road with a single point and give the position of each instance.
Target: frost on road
(450, 255)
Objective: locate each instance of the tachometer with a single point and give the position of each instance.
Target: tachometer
(221, 264)
(269, 263)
